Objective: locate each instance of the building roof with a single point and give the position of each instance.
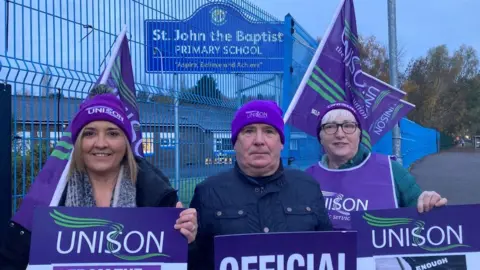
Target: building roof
(45, 110)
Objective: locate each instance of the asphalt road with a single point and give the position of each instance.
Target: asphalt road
(455, 174)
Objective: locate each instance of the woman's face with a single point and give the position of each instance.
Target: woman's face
(104, 146)
(340, 136)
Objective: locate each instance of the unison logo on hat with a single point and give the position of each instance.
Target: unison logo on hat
(256, 114)
(106, 110)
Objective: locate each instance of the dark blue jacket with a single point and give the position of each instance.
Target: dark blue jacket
(234, 203)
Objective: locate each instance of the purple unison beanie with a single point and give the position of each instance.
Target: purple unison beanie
(258, 112)
(335, 106)
(103, 107)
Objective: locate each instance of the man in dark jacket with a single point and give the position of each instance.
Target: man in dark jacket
(153, 190)
(258, 195)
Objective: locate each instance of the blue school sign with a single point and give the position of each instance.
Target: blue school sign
(217, 38)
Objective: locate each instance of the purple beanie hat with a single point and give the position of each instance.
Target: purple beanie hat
(335, 106)
(103, 107)
(258, 112)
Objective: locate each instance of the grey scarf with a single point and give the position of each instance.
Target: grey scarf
(80, 191)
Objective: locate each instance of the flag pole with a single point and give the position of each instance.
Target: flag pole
(392, 49)
(312, 64)
(115, 50)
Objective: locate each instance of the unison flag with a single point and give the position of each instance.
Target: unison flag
(385, 105)
(334, 74)
(49, 184)
(380, 124)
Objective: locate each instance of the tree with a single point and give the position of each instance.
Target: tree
(205, 91)
(445, 89)
(207, 87)
(259, 96)
(27, 164)
(161, 98)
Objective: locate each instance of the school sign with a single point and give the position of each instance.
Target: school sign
(217, 38)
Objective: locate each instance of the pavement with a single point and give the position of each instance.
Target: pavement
(454, 174)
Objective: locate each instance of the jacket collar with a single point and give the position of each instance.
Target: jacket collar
(152, 185)
(263, 180)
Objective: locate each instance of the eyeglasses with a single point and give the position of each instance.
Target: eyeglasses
(332, 128)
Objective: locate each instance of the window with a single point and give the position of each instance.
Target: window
(22, 142)
(147, 143)
(222, 142)
(295, 138)
(167, 140)
(54, 138)
(293, 144)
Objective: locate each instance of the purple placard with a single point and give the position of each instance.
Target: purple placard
(450, 229)
(307, 250)
(63, 235)
(107, 267)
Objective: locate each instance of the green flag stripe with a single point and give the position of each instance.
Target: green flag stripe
(352, 37)
(320, 91)
(65, 145)
(325, 86)
(366, 143)
(365, 134)
(379, 99)
(329, 80)
(395, 112)
(124, 90)
(60, 155)
(357, 93)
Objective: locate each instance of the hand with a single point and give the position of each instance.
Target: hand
(428, 200)
(187, 223)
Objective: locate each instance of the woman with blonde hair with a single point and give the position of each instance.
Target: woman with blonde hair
(104, 173)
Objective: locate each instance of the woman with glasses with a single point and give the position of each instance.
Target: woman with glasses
(355, 179)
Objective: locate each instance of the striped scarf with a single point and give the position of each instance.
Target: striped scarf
(80, 191)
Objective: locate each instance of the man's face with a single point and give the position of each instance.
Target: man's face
(258, 148)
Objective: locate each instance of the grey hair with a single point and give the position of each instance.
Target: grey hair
(334, 114)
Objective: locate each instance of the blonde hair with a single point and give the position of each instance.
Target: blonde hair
(78, 165)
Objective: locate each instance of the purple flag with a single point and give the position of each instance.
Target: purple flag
(334, 74)
(107, 238)
(406, 237)
(296, 250)
(395, 109)
(385, 105)
(50, 183)
(376, 91)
